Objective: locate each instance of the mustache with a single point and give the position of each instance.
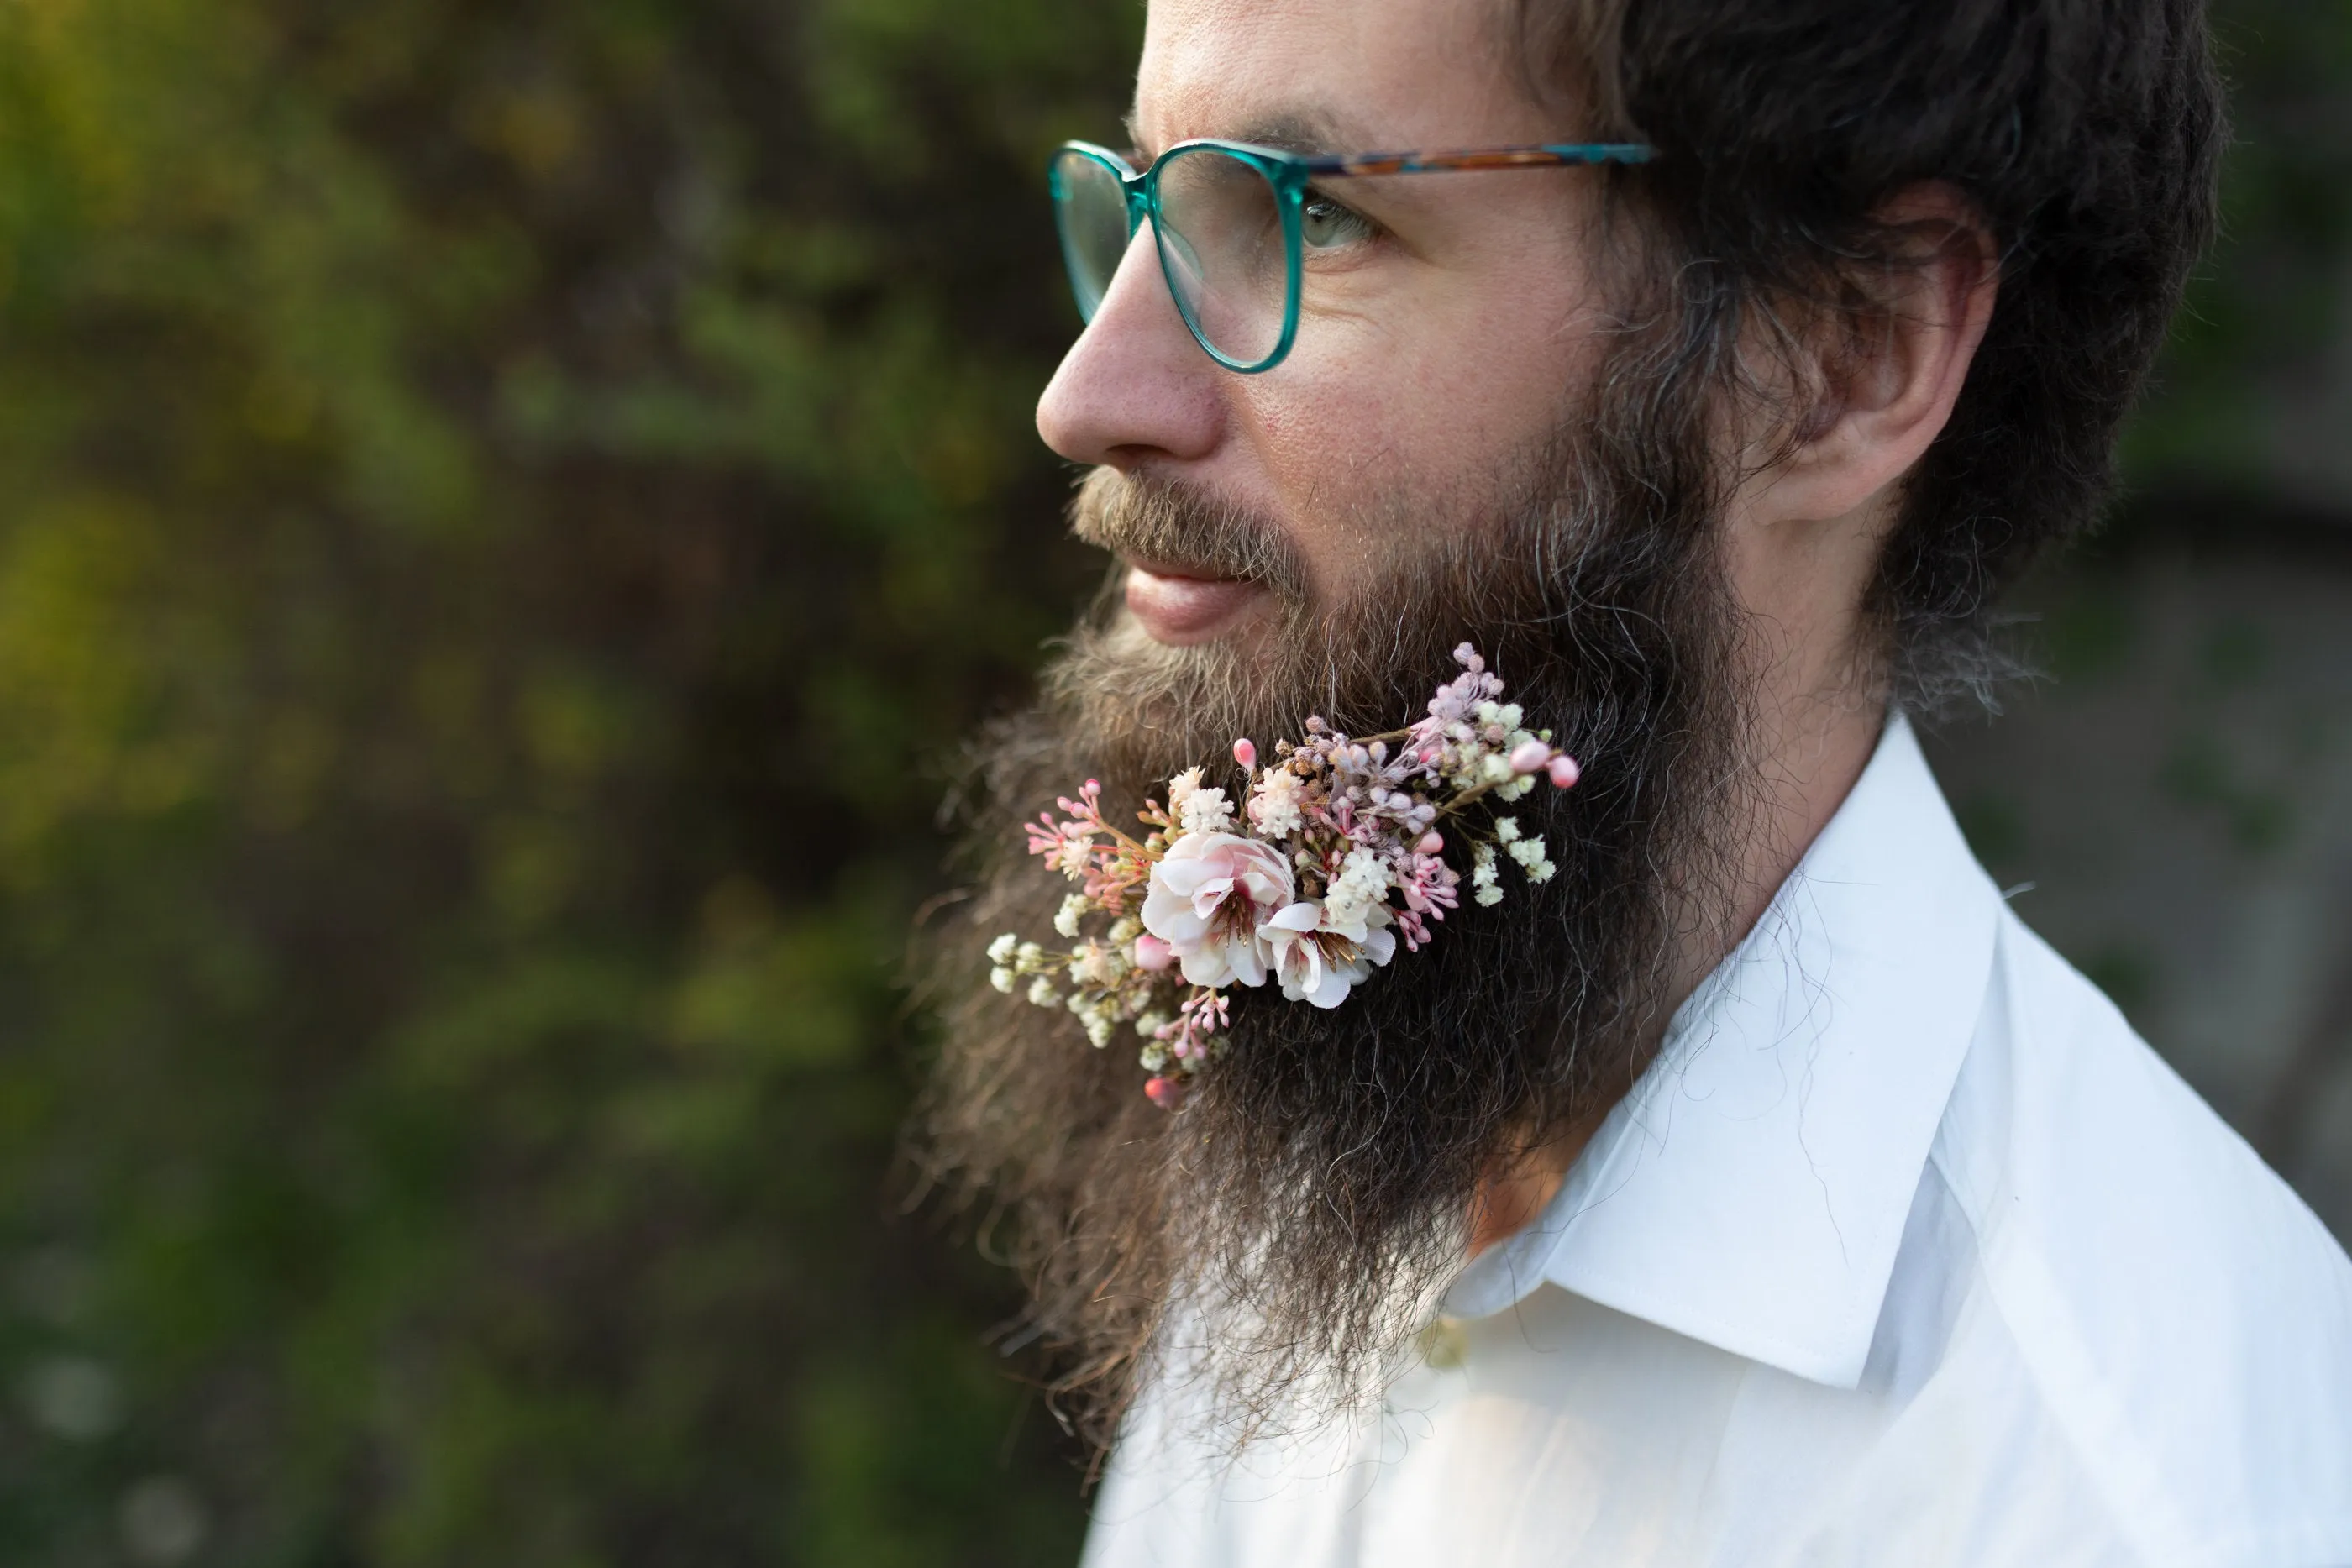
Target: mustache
(1177, 526)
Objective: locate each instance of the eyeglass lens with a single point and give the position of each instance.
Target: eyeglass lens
(1221, 244)
(1090, 209)
(1221, 241)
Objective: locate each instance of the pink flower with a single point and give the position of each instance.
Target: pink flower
(1209, 896)
(1245, 753)
(1068, 847)
(1153, 954)
(1428, 886)
(1564, 771)
(1318, 964)
(1530, 756)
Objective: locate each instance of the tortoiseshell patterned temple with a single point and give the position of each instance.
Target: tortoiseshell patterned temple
(1343, 163)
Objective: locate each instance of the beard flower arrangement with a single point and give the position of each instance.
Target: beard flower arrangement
(1334, 857)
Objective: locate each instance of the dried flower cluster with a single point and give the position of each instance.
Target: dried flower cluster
(1335, 854)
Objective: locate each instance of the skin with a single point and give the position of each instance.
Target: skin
(1437, 341)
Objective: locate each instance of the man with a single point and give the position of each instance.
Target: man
(1758, 1189)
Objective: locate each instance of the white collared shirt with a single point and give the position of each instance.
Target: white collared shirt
(1906, 1252)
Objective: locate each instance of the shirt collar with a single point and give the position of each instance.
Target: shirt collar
(1751, 1190)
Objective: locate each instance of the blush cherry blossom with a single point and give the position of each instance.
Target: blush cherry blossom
(1318, 962)
(1207, 899)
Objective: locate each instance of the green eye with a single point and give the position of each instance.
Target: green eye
(1324, 224)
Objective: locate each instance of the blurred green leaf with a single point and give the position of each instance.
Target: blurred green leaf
(498, 508)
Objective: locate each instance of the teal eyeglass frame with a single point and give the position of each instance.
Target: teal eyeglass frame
(1290, 174)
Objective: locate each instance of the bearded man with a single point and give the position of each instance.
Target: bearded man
(1757, 1188)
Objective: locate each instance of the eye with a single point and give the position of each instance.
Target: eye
(1324, 224)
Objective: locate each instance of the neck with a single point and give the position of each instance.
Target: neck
(1815, 743)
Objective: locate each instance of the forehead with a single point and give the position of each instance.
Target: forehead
(1342, 75)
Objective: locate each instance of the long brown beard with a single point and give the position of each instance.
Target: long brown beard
(1312, 1196)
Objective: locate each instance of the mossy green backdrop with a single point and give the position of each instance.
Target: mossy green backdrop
(504, 511)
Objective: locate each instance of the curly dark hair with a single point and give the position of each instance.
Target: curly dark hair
(2086, 132)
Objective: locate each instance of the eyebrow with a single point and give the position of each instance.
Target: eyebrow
(1307, 132)
(1310, 137)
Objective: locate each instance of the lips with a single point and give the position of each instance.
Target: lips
(1180, 608)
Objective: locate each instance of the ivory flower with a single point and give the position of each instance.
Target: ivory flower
(1206, 812)
(1275, 806)
(1207, 899)
(1358, 893)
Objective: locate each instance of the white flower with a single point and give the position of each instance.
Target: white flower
(1095, 1017)
(1317, 963)
(1002, 978)
(1484, 877)
(1001, 951)
(1505, 716)
(1206, 811)
(1073, 848)
(1093, 964)
(1180, 789)
(1533, 860)
(1274, 805)
(1507, 828)
(1361, 887)
(1065, 919)
(1042, 993)
(1208, 897)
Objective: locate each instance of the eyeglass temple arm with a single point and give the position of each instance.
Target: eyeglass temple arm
(1536, 157)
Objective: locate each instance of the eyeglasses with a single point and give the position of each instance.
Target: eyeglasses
(1231, 221)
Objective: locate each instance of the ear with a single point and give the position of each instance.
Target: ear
(1886, 372)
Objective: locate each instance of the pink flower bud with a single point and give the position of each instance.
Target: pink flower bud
(1166, 1093)
(1245, 753)
(1530, 757)
(1430, 845)
(1565, 772)
(1154, 953)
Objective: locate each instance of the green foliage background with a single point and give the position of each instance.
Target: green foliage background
(503, 508)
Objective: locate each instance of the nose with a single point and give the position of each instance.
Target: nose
(1135, 388)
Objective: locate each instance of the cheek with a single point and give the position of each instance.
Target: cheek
(1334, 448)
(1369, 418)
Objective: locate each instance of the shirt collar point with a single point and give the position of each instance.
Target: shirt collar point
(1752, 1191)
